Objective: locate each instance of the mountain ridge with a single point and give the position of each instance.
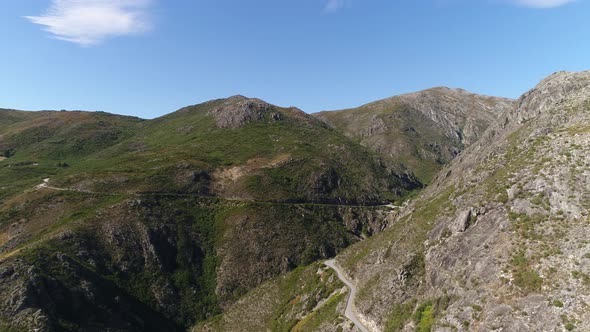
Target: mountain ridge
(422, 130)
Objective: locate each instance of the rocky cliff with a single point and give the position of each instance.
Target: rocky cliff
(499, 241)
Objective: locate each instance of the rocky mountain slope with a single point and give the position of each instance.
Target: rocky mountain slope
(422, 130)
(499, 241)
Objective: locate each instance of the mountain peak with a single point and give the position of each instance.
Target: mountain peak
(242, 98)
(238, 110)
(558, 89)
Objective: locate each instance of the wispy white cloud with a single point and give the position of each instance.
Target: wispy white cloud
(335, 5)
(89, 22)
(542, 3)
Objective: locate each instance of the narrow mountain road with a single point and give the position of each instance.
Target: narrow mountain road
(349, 312)
(45, 185)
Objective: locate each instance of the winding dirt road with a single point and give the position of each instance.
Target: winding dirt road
(349, 312)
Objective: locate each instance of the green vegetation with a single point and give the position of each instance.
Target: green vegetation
(423, 317)
(282, 321)
(325, 314)
(178, 217)
(5, 327)
(410, 138)
(399, 315)
(524, 277)
(526, 225)
(296, 159)
(286, 298)
(581, 275)
(399, 129)
(421, 222)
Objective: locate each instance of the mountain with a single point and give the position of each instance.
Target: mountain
(112, 222)
(498, 242)
(217, 217)
(422, 130)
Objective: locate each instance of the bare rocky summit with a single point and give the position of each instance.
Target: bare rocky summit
(238, 110)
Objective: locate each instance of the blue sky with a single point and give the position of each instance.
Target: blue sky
(151, 57)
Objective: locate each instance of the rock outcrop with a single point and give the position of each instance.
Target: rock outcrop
(238, 110)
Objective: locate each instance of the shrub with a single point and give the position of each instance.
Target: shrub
(424, 317)
(400, 314)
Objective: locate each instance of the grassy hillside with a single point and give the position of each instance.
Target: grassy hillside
(57, 135)
(284, 155)
(302, 300)
(34, 145)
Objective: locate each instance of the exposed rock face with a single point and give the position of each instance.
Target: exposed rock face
(238, 110)
(463, 221)
(162, 223)
(462, 116)
(422, 130)
(35, 301)
(522, 263)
